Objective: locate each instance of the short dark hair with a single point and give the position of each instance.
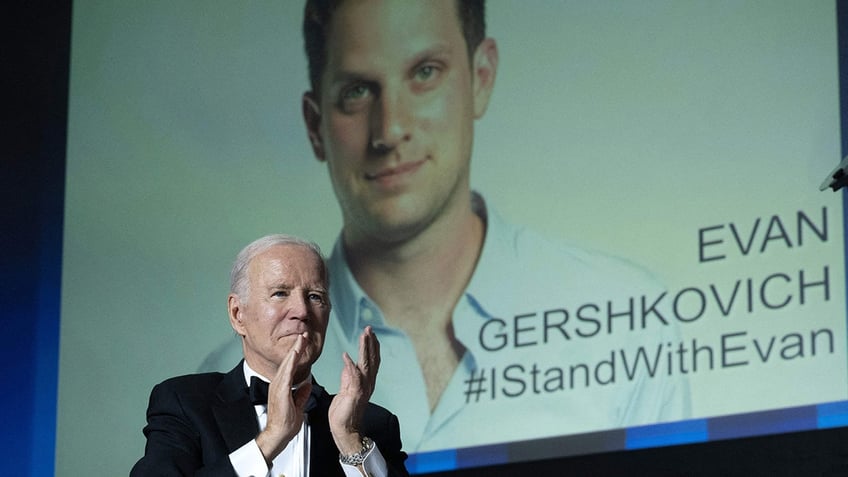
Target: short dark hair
(318, 13)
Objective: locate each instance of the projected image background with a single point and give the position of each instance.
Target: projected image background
(686, 140)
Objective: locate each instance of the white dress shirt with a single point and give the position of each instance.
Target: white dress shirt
(293, 461)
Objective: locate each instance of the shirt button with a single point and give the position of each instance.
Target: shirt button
(367, 315)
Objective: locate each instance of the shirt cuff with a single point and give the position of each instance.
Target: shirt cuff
(248, 461)
(374, 465)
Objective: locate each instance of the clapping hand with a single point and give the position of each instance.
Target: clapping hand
(285, 408)
(357, 384)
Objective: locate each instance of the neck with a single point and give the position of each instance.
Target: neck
(427, 272)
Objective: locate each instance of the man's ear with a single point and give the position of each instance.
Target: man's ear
(312, 119)
(485, 68)
(235, 312)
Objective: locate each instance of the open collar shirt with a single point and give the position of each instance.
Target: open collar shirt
(518, 273)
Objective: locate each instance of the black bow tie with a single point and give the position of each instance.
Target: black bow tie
(258, 391)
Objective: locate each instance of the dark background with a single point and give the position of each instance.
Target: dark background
(35, 55)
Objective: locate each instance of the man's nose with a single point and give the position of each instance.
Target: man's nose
(391, 121)
(298, 307)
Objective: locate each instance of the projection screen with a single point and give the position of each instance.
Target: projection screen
(685, 141)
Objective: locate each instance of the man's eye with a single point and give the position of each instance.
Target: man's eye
(355, 97)
(355, 92)
(317, 298)
(425, 72)
(280, 294)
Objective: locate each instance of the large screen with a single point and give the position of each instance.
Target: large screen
(660, 266)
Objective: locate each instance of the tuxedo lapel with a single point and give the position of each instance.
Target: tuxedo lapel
(234, 413)
(235, 417)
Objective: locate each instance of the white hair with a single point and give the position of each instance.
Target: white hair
(239, 283)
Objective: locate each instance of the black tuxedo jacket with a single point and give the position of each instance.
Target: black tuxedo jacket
(194, 422)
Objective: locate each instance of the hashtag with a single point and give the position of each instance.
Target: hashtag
(475, 386)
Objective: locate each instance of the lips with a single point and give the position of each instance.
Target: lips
(394, 172)
(298, 330)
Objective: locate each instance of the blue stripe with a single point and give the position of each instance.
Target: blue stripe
(762, 423)
(431, 461)
(482, 456)
(834, 414)
(673, 433)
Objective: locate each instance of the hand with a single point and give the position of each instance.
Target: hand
(285, 409)
(357, 385)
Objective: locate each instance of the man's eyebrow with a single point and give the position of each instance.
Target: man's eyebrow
(347, 76)
(438, 50)
(289, 287)
(279, 286)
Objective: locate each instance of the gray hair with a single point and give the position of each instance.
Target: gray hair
(239, 283)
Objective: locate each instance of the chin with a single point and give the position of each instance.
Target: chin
(394, 225)
(314, 354)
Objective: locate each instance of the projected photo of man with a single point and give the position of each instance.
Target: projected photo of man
(492, 332)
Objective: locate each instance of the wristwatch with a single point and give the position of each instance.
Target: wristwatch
(358, 457)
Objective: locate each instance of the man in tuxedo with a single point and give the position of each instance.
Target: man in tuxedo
(268, 416)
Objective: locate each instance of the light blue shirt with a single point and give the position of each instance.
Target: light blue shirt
(580, 384)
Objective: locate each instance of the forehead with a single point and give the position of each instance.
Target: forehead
(293, 265)
(362, 29)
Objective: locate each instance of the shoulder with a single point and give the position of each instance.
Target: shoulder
(194, 397)
(383, 426)
(514, 253)
(378, 413)
(188, 388)
(191, 382)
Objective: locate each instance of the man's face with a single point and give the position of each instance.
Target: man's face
(287, 297)
(395, 116)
